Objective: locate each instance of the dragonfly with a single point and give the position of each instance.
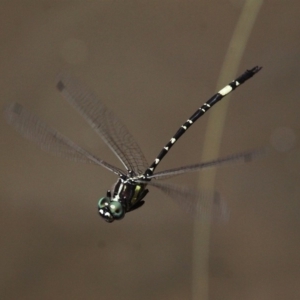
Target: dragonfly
(128, 192)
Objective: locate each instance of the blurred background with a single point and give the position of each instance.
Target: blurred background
(153, 63)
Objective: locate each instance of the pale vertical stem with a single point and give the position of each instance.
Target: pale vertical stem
(211, 149)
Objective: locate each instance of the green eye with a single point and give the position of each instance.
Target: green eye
(116, 209)
(104, 201)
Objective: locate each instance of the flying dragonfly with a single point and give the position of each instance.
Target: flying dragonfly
(129, 191)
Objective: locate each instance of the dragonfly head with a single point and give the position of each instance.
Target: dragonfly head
(110, 210)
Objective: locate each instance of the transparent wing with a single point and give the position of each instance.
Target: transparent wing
(104, 122)
(32, 128)
(202, 205)
(243, 157)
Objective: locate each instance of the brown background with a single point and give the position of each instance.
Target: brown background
(153, 63)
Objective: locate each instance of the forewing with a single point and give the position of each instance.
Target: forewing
(49, 139)
(243, 157)
(104, 122)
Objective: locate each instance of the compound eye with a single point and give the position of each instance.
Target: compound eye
(103, 202)
(116, 209)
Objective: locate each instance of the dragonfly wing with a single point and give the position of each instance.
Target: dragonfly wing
(243, 157)
(104, 122)
(203, 205)
(32, 128)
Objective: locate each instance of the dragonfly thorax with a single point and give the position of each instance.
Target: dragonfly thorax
(126, 195)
